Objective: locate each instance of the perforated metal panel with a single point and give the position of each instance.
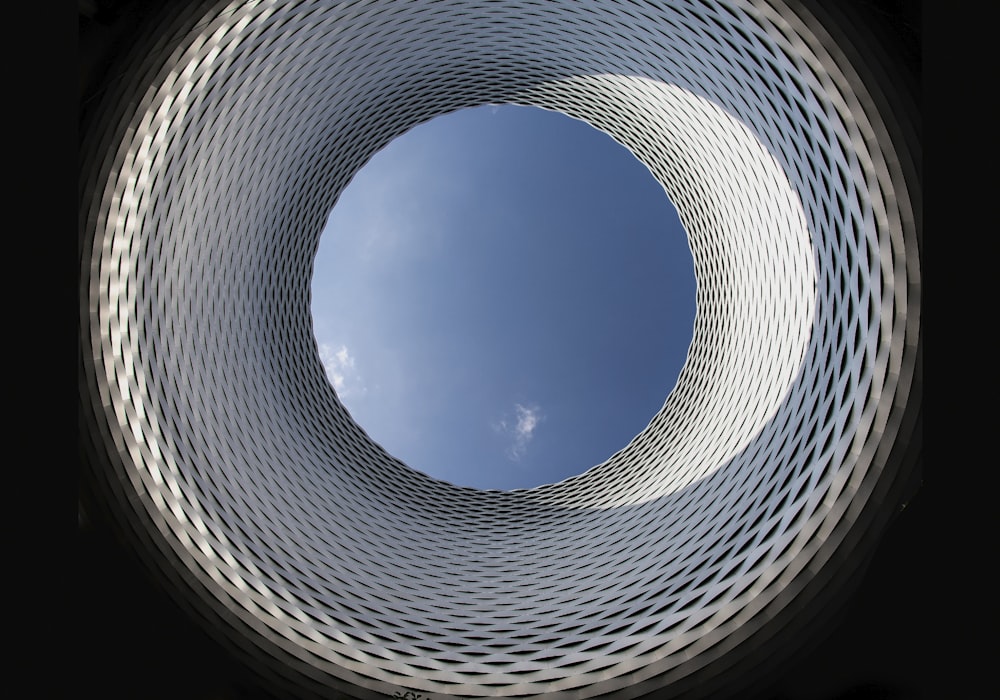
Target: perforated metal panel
(212, 432)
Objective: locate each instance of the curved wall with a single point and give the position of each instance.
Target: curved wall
(212, 435)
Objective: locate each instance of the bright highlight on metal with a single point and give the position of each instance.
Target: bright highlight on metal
(215, 440)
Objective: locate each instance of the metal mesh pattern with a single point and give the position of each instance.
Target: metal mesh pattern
(232, 457)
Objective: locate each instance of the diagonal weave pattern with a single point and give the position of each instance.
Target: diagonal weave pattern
(213, 432)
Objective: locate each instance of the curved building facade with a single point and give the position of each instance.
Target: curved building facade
(215, 444)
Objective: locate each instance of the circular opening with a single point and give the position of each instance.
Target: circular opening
(503, 297)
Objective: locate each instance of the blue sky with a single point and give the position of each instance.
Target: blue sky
(503, 297)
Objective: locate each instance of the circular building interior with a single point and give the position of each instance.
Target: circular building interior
(218, 450)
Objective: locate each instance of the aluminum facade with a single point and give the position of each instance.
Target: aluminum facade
(212, 435)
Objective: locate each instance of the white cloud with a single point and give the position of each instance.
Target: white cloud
(520, 428)
(340, 370)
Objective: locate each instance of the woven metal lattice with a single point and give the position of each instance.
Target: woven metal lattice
(212, 430)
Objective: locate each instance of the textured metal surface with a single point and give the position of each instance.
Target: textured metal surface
(215, 436)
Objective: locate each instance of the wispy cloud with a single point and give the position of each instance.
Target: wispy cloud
(340, 370)
(520, 427)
